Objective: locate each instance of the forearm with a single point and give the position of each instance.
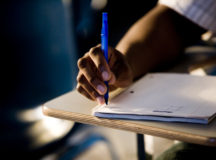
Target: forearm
(156, 38)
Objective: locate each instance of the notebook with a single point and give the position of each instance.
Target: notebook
(165, 97)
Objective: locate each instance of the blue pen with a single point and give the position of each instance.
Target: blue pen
(104, 46)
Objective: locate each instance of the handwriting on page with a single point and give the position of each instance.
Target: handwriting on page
(169, 109)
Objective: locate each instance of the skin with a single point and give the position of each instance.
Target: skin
(156, 38)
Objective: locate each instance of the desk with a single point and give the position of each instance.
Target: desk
(73, 106)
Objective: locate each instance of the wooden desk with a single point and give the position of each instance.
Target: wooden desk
(73, 106)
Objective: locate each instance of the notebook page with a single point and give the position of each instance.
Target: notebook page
(169, 95)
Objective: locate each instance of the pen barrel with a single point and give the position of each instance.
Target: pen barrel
(106, 96)
(104, 47)
(104, 35)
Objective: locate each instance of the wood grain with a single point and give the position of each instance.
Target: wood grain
(130, 126)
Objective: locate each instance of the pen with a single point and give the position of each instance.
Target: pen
(104, 46)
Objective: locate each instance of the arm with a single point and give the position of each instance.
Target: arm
(156, 38)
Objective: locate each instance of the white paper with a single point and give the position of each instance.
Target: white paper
(165, 97)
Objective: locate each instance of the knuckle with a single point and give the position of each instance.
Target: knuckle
(82, 62)
(80, 78)
(79, 88)
(92, 80)
(94, 51)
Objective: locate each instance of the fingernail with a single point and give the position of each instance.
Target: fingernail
(105, 75)
(101, 89)
(100, 100)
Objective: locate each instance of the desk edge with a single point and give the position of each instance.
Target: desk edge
(124, 125)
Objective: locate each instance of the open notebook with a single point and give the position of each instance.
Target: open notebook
(165, 97)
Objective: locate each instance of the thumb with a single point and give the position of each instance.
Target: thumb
(112, 80)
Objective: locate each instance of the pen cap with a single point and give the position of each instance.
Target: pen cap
(104, 16)
(104, 30)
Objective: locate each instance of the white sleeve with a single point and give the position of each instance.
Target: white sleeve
(201, 12)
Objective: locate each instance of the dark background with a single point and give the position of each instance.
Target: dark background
(40, 43)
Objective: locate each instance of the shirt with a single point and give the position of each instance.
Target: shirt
(201, 12)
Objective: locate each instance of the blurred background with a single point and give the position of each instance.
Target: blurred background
(40, 43)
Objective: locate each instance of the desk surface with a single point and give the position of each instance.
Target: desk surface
(73, 106)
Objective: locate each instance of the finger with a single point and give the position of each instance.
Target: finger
(85, 93)
(123, 80)
(100, 62)
(82, 81)
(121, 70)
(112, 79)
(81, 90)
(90, 73)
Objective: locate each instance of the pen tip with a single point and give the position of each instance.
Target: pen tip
(106, 101)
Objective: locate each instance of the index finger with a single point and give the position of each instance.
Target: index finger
(100, 62)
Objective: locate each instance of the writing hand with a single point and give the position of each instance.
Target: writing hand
(94, 70)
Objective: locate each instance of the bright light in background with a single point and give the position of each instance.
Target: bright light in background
(44, 129)
(48, 130)
(198, 72)
(98, 4)
(31, 115)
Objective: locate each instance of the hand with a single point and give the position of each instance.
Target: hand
(94, 70)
